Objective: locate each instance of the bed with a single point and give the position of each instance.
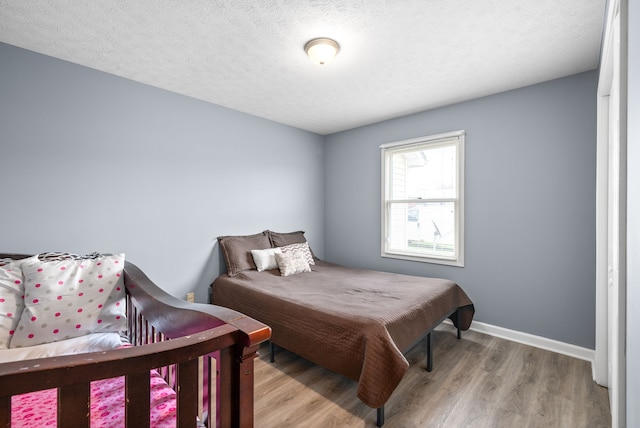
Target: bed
(354, 322)
(125, 353)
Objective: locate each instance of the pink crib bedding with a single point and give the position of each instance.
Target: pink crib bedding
(38, 409)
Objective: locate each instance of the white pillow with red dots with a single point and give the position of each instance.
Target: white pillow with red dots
(68, 296)
(11, 304)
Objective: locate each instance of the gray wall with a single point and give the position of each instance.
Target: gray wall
(633, 216)
(530, 197)
(93, 162)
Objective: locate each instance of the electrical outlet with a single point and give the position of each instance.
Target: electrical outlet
(191, 297)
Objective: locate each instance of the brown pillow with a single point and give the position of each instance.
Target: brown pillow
(283, 239)
(237, 250)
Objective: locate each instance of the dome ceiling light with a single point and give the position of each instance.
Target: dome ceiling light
(321, 50)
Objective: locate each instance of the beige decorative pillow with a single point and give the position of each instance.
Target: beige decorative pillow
(292, 263)
(302, 248)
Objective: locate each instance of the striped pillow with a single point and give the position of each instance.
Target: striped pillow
(303, 248)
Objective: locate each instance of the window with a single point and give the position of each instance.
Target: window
(422, 199)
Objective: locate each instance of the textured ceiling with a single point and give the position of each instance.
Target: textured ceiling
(397, 56)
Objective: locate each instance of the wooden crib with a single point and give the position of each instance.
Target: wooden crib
(204, 352)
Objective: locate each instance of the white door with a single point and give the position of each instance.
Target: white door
(616, 245)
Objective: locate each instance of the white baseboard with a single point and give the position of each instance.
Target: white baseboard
(535, 341)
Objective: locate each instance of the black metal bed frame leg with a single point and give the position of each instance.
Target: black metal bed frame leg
(429, 353)
(458, 323)
(380, 416)
(272, 352)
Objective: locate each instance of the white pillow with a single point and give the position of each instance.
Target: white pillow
(292, 263)
(265, 259)
(71, 297)
(11, 301)
(303, 248)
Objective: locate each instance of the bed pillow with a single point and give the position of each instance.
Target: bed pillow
(11, 301)
(237, 251)
(265, 259)
(292, 263)
(283, 239)
(302, 248)
(69, 296)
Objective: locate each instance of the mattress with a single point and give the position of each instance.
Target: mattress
(354, 322)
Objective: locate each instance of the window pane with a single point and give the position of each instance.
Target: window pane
(424, 173)
(423, 199)
(424, 229)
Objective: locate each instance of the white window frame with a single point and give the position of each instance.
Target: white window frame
(386, 150)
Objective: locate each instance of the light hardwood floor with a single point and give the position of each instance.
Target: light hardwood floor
(478, 381)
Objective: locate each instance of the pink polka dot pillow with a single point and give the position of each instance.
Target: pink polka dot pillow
(69, 296)
(11, 303)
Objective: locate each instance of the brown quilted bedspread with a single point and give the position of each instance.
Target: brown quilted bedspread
(353, 322)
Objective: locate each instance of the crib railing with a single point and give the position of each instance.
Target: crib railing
(142, 333)
(72, 376)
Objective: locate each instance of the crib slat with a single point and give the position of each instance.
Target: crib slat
(5, 412)
(187, 392)
(137, 392)
(73, 406)
(138, 330)
(145, 339)
(225, 389)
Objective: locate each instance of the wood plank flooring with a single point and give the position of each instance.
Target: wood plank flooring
(478, 381)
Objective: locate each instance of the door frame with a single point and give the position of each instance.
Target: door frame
(609, 368)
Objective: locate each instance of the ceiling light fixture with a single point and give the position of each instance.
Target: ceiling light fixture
(322, 50)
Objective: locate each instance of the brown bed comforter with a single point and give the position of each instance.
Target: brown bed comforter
(351, 321)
